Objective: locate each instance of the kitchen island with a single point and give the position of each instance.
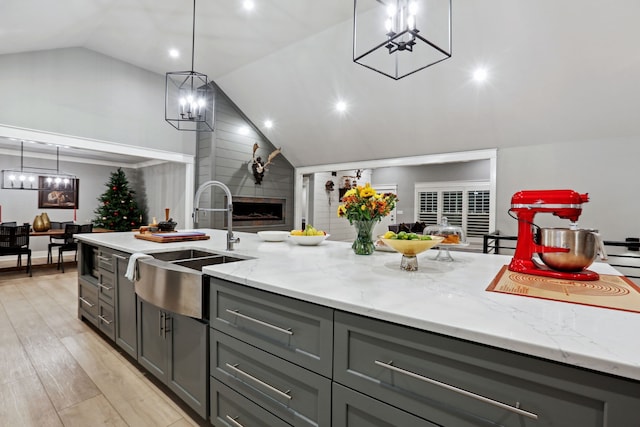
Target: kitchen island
(442, 309)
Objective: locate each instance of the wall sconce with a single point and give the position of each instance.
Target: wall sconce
(400, 37)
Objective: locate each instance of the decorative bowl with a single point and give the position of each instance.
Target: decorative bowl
(410, 248)
(308, 240)
(273, 236)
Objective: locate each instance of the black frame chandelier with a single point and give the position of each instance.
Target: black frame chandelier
(188, 96)
(36, 178)
(397, 38)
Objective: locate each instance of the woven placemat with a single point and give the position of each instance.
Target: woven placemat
(615, 292)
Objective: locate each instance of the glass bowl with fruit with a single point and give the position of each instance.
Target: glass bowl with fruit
(409, 245)
(308, 237)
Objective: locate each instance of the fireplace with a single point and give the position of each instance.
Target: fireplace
(258, 211)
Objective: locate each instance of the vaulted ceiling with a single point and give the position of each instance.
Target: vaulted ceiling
(557, 70)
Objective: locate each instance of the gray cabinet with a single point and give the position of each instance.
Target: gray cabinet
(231, 409)
(88, 283)
(294, 394)
(125, 309)
(274, 352)
(457, 383)
(106, 292)
(353, 409)
(174, 349)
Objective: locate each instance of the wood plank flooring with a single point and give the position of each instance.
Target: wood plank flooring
(56, 371)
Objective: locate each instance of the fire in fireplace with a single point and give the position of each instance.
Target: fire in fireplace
(258, 211)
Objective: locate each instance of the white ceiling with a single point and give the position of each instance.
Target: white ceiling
(558, 70)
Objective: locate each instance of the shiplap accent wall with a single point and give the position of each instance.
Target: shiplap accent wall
(225, 155)
(324, 214)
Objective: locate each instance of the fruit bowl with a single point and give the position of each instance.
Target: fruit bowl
(273, 236)
(309, 240)
(410, 248)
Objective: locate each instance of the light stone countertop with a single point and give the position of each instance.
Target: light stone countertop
(446, 298)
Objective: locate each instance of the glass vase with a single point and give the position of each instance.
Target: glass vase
(363, 245)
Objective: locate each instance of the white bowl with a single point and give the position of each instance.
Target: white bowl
(273, 236)
(308, 240)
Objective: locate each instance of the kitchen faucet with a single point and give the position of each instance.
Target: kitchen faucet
(230, 238)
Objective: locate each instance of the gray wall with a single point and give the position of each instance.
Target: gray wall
(226, 155)
(159, 187)
(407, 176)
(79, 92)
(606, 169)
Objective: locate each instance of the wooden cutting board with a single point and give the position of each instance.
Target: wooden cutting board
(171, 237)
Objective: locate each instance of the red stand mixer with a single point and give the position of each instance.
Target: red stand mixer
(565, 204)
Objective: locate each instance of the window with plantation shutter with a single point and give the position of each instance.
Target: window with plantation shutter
(466, 204)
(428, 207)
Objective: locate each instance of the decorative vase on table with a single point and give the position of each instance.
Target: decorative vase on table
(38, 224)
(363, 207)
(46, 221)
(363, 244)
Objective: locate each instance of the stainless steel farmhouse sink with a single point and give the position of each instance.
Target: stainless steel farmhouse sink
(174, 280)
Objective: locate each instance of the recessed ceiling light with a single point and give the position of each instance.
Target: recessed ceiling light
(341, 106)
(248, 4)
(174, 53)
(480, 75)
(268, 124)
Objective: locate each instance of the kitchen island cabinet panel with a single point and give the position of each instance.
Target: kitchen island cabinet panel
(457, 383)
(231, 409)
(298, 396)
(152, 346)
(174, 349)
(88, 301)
(106, 319)
(294, 330)
(125, 306)
(353, 409)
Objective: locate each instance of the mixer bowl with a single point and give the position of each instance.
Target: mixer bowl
(582, 245)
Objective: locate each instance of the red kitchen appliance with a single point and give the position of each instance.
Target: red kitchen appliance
(565, 204)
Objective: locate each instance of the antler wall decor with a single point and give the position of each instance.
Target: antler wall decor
(258, 166)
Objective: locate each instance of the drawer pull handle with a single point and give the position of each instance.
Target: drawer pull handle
(105, 320)
(86, 302)
(104, 258)
(284, 394)
(260, 322)
(105, 287)
(233, 420)
(458, 390)
(118, 256)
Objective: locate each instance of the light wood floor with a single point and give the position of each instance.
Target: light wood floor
(56, 371)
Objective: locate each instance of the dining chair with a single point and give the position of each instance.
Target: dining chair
(14, 240)
(56, 241)
(69, 244)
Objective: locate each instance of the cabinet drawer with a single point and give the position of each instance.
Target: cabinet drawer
(353, 409)
(231, 409)
(294, 394)
(294, 330)
(106, 286)
(106, 319)
(106, 260)
(88, 302)
(457, 383)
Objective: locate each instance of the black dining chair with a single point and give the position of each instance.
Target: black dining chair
(70, 243)
(14, 240)
(56, 241)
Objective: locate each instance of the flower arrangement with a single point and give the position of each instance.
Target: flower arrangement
(364, 204)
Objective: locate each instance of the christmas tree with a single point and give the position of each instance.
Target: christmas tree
(118, 209)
